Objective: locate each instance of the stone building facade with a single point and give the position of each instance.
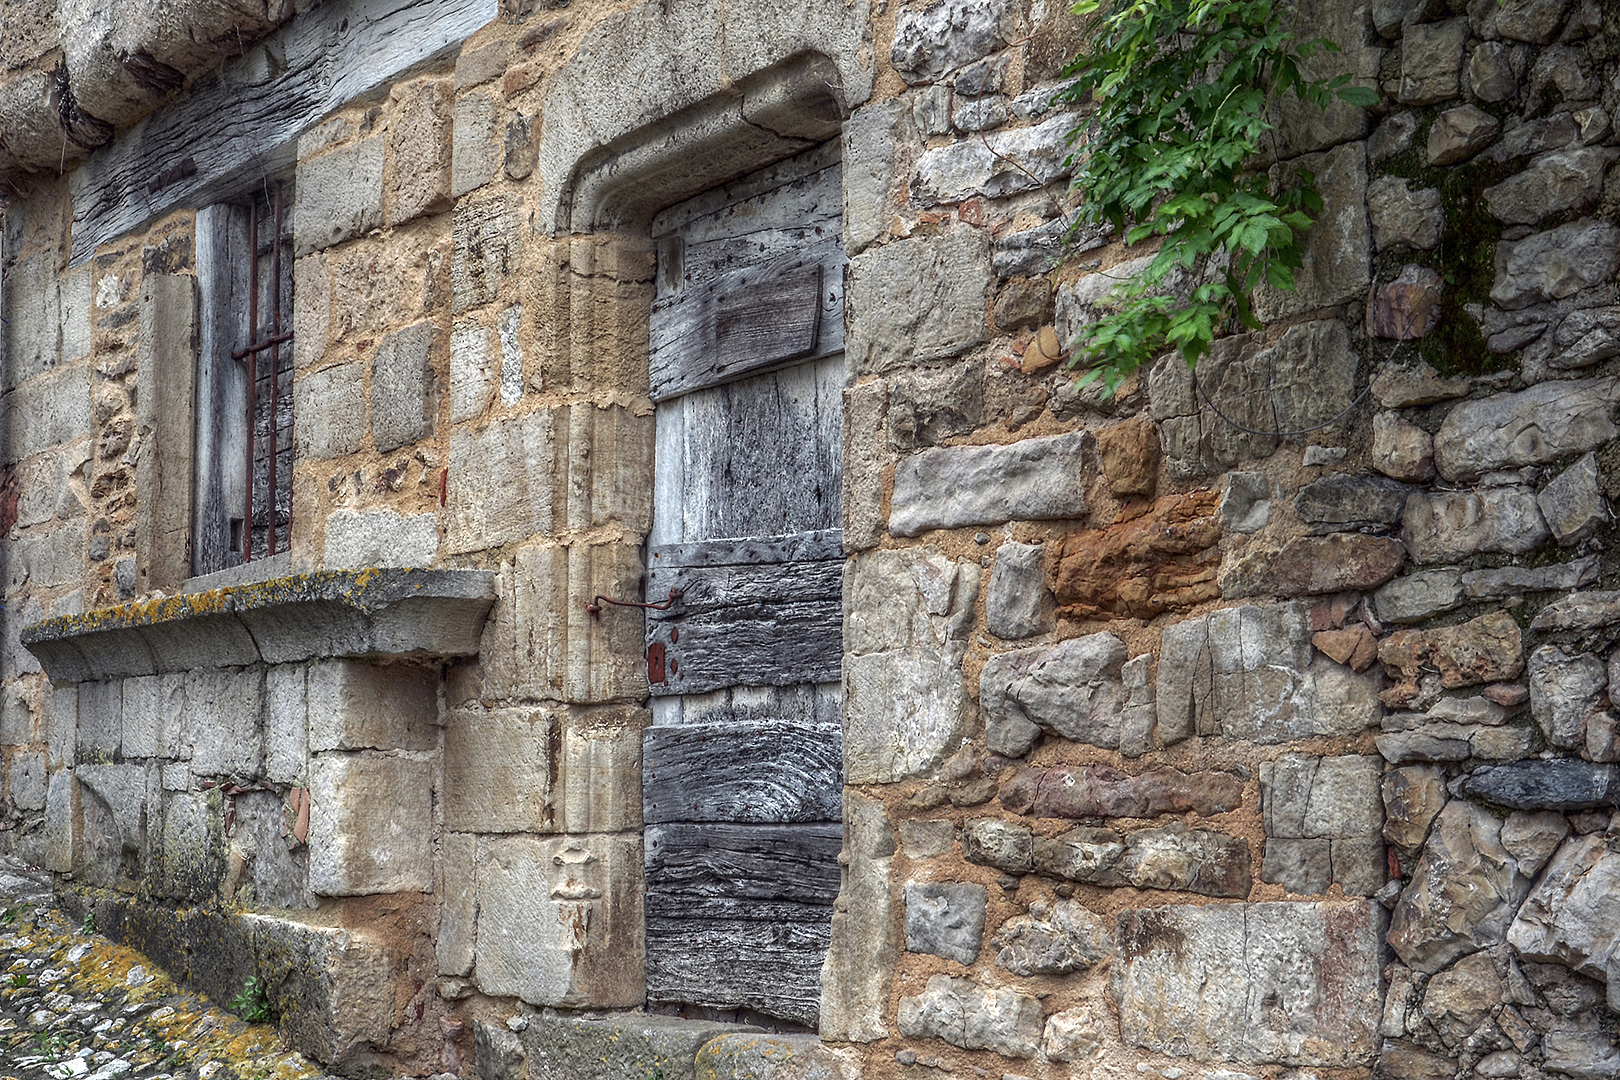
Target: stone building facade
(1257, 725)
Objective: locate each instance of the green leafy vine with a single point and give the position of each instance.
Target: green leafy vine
(1182, 90)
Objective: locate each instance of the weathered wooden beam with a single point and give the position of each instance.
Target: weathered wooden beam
(752, 551)
(745, 862)
(762, 771)
(771, 625)
(242, 124)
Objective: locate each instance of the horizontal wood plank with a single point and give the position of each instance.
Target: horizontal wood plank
(770, 625)
(759, 771)
(738, 954)
(701, 336)
(745, 862)
(752, 551)
(243, 123)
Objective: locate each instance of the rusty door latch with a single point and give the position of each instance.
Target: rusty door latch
(595, 606)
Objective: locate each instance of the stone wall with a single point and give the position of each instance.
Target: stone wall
(1257, 725)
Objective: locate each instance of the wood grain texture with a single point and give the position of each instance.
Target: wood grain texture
(768, 625)
(738, 954)
(745, 862)
(221, 456)
(759, 771)
(234, 127)
(752, 551)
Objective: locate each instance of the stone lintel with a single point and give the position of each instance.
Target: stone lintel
(395, 613)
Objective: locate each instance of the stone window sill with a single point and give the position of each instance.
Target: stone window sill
(372, 614)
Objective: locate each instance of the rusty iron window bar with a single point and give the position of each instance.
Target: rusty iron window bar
(265, 341)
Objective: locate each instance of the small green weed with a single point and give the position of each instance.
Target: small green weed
(51, 1044)
(253, 1003)
(88, 926)
(11, 915)
(18, 979)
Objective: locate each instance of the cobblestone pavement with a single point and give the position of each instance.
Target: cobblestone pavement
(74, 1006)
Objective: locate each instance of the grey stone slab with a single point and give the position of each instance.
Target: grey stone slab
(945, 36)
(995, 166)
(947, 487)
(1336, 254)
(286, 724)
(1403, 219)
(1567, 180)
(1565, 690)
(1432, 61)
(1555, 264)
(1073, 689)
(1447, 526)
(1515, 580)
(354, 705)
(370, 824)
(1562, 784)
(404, 390)
(1531, 427)
(1018, 603)
(362, 539)
(1056, 939)
(338, 196)
(858, 973)
(945, 919)
(329, 409)
(472, 159)
(1579, 611)
(918, 299)
(48, 411)
(1417, 596)
(498, 771)
(1347, 502)
(972, 1016)
(1300, 866)
(618, 1045)
(1219, 983)
(1573, 504)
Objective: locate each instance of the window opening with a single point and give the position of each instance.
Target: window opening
(264, 342)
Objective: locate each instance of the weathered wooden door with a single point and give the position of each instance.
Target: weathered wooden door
(743, 762)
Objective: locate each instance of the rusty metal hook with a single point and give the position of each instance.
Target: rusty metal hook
(595, 606)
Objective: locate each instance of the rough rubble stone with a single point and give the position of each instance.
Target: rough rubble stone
(948, 35)
(1486, 649)
(1431, 61)
(1407, 308)
(1516, 580)
(1535, 137)
(969, 1015)
(1218, 983)
(1586, 337)
(1403, 218)
(917, 299)
(1531, 837)
(1056, 940)
(909, 613)
(1413, 795)
(1564, 691)
(1395, 386)
(1490, 73)
(1072, 689)
(1128, 454)
(1162, 559)
(1336, 255)
(1554, 184)
(1532, 427)
(1573, 504)
(1083, 791)
(1345, 502)
(1581, 1055)
(1579, 611)
(1535, 21)
(995, 166)
(1392, 137)
(1573, 915)
(987, 485)
(1463, 893)
(1354, 646)
(945, 919)
(928, 406)
(1017, 603)
(1555, 264)
(1417, 596)
(1458, 134)
(1078, 1034)
(1560, 784)
(1446, 526)
(1313, 565)
(1174, 858)
(1248, 673)
(1001, 844)
(1246, 505)
(1460, 998)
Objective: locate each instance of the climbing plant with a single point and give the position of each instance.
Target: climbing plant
(1181, 90)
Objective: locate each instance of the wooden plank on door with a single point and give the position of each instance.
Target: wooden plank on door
(771, 625)
(765, 771)
(728, 954)
(752, 550)
(745, 862)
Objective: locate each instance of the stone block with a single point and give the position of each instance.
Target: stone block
(404, 389)
(788, 1057)
(73, 289)
(488, 245)
(1556, 183)
(1306, 565)
(497, 771)
(1564, 691)
(222, 721)
(1569, 917)
(355, 705)
(370, 824)
(859, 970)
(56, 848)
(1432, 61)
(918, 299)
(1174, 858)
(473, 371)
(1553, 265)
(880, 142)
(25, 781)
(1403, 219)
(1073, 690)
(456, 942)
(1458, 134)
(1082, 1033)
(926, 839)
(115, 805)
(1401, 450)
(907, 617)
(947, 487)
(502, 487)
(929, 405)
(1447, 526)
(1414, 597)
(1004, 845)
(1220, 983)
(1548, 421)
(1249, 673)
(61, 724)
(972, 1016)
(48, 411)
(33, 317)
(419, 151)
(338, 196)
(928, 43)
(472, 161)
(561, 1047)
(1056, 939)
(16, 716)
(610, 467)
(1345, 799)
(329, 409)
(361, 539)
(1413, 795)
(100, 723)
(1486, 649)
(154, 717)
(560, 920)
(599, 782)
(286, 724)
(1018, 603)
(1573, 504)
(1162, 559)
(52, 557)
(1300, 866)
(945, 919)
(312, 310)
(511, 355)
